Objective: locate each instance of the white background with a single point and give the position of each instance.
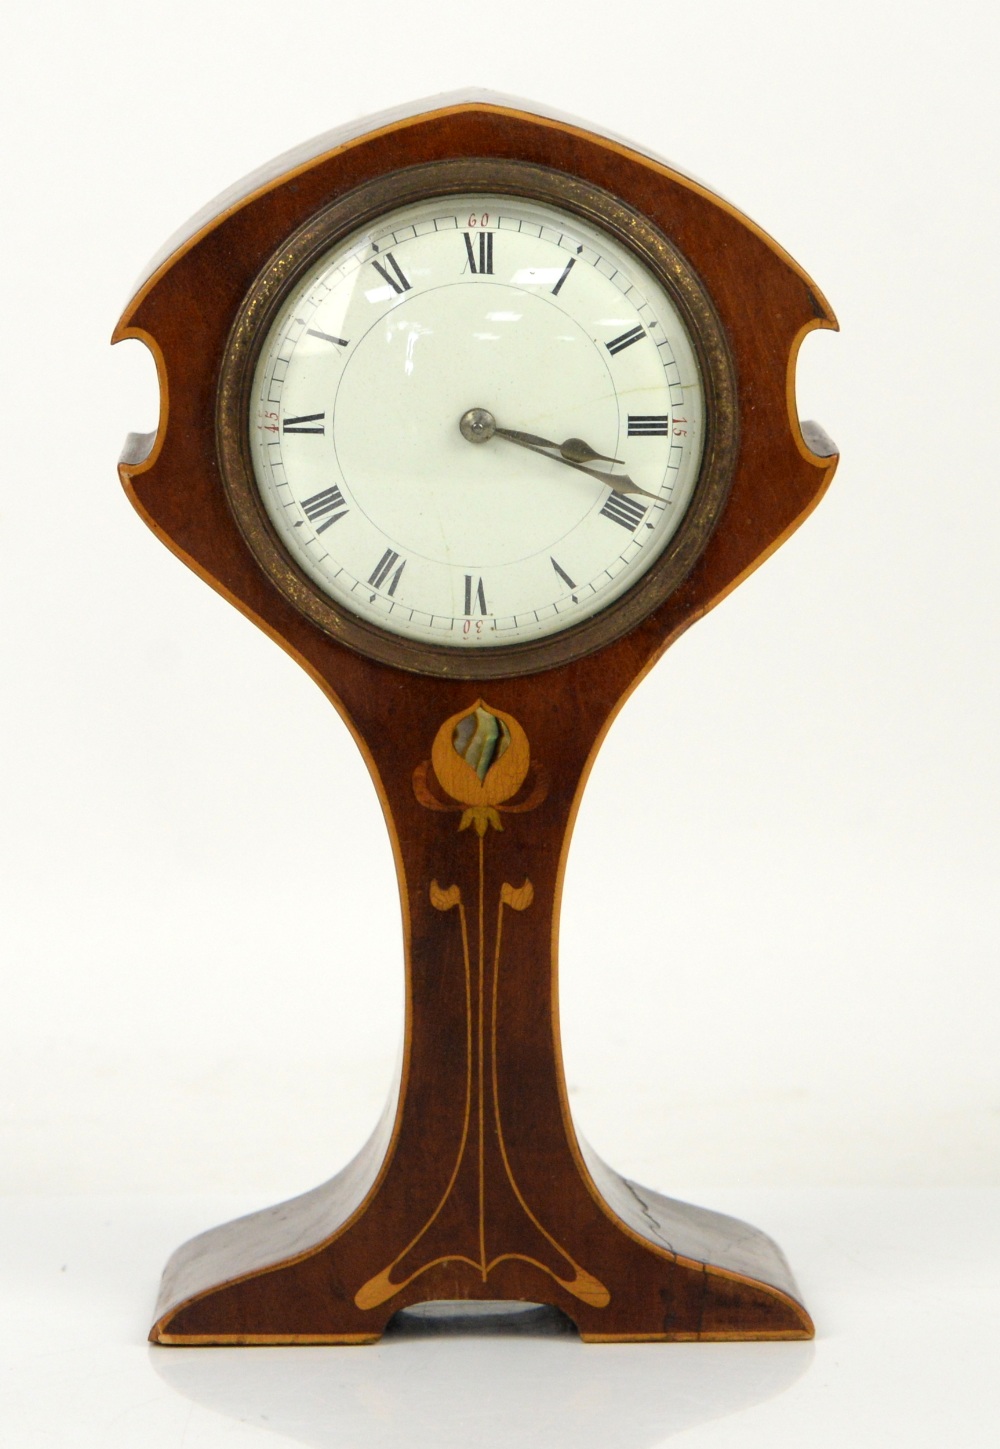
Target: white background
(779, 963)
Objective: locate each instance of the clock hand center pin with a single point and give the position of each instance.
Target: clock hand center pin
(477, 425)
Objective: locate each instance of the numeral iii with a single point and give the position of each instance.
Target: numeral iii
(648, 425)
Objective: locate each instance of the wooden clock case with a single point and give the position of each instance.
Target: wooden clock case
(476, 1184)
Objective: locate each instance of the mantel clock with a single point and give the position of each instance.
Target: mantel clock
(474, 411)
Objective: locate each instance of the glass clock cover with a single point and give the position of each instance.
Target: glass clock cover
(477, 421)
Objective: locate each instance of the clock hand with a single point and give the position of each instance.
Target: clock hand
(619, 482)
(574, 450)
(478, 426)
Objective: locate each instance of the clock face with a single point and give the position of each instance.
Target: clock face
(472, 425)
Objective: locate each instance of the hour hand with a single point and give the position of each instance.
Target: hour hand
(573, 450)
(617, 482)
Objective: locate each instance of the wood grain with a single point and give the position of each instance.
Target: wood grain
(476, 1185)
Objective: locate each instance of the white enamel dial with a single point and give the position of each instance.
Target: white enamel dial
(583, 410)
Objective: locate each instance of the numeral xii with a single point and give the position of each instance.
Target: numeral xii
(480, 256)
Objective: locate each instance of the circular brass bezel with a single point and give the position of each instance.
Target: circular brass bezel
(365, 204)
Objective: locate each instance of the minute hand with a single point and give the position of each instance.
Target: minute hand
(572, 453)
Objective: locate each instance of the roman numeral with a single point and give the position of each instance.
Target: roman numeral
(620, 508)
(562, 574)
(397, 282)
(619, 344)
(331, 501)
(384, 568)
(300, 425)
(326, 337)
(648, 425)
(485, 249)
(563, 275)
(480, 597)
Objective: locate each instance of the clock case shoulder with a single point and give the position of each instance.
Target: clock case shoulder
(766, 305)
(329, 142)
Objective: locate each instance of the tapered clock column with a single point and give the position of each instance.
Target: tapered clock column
(481, 1191)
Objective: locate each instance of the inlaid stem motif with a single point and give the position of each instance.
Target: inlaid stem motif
(481, 760)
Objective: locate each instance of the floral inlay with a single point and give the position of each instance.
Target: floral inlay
(480, 759)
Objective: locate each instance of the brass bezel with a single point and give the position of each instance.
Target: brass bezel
(366, 204)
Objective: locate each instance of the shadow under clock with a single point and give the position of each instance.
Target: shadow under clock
(514, 1374)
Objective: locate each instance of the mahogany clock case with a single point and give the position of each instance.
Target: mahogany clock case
(478, 1186)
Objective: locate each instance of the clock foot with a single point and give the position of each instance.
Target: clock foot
(623, 1263)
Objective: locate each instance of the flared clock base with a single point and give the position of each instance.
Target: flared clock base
(640, 1267)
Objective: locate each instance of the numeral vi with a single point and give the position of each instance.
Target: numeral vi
(475, 597)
